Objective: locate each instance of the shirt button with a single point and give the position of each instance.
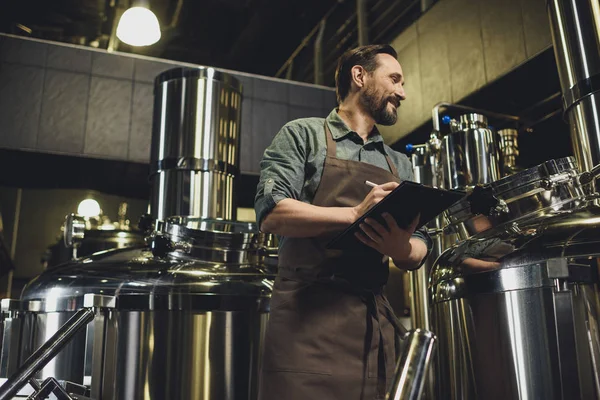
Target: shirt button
(269, 180)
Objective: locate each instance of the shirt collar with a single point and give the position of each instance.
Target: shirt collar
(339, 129)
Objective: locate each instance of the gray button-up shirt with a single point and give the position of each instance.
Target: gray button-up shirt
(292, 165)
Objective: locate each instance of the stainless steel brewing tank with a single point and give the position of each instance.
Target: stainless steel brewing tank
(469, 154)
(195, 143)
(189, 321)
(517, 311)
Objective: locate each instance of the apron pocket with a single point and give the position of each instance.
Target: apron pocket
(301, 330)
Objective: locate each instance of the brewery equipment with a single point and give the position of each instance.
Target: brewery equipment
(515, 302)
(189, 308)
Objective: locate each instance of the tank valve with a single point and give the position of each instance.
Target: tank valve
(73, 232)
(160, 245)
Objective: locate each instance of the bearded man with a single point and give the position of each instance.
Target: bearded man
(332, 333)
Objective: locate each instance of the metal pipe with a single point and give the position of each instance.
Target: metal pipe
(435, 113)
(426, 5)
(363, 23)
(46, 352)
(413, 366)
(319, 53)
(575, 27)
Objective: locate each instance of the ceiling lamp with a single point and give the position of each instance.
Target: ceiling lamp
(138, 26)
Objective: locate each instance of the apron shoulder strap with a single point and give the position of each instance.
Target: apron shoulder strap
(331, 145)
(331, 151)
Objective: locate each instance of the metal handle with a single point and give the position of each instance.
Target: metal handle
(412, 368)
(589, 176)
(44, 354)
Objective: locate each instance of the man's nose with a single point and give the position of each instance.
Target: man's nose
(400, 92)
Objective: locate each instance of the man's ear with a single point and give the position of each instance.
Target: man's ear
(358, 75)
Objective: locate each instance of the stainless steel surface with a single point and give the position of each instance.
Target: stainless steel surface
(74, 231)
(195, 143)
(584, 125)
(509, 148)
(435, 113)
(190, 354)
(469, 157)
(413, 366)
(167, 307)
(517, 310)
(575, 26)
(45, 353)
(548, 189)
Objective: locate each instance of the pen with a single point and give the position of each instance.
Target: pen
(371, 183)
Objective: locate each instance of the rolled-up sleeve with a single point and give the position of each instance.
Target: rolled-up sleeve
(281, 170)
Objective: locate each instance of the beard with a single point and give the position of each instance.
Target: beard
(377, 105)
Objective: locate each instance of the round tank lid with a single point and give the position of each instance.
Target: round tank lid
(466, 120)
(213, 225)
(198, 73)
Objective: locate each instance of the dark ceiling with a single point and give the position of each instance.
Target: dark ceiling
(255, 36)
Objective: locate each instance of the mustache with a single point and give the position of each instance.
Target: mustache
(395, 100)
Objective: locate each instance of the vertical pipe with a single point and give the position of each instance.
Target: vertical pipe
(13, 242)
(319, 54)
(575, 27)
(426, 5)
(363, 25)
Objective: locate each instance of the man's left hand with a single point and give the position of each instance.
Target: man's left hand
(392, 240)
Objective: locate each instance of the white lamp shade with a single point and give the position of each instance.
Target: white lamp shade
(138, 26)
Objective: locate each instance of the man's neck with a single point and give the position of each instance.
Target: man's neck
(356, 119)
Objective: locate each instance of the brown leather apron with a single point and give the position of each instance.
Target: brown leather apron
(331, 333)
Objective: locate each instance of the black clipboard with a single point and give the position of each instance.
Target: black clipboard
(403, 203)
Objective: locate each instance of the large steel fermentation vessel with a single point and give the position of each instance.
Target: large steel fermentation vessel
(515, 301)
(182, 318)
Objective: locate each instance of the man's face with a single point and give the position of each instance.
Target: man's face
(383, 90)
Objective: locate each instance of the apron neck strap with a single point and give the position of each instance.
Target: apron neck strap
(331, 150)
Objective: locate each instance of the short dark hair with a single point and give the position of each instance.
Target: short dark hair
(363, 56)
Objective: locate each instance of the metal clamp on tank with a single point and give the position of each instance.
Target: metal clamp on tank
(483, 201)
(74, 231)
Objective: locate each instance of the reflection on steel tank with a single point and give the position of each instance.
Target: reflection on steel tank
(90, 231)
(182, 318)
(515, 302)
(195, 143)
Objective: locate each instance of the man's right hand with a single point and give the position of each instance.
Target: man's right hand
(374, 197)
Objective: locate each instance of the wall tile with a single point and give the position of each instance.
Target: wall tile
(69, 58)
(405, 38)
(20, 102)
(329, 99)
(62, 123)
(267, 119)
(247, 159)
(296, 112)
(266, 89)
(112, 65)
(247, 85)
(467, 70)
(107, 127)
(410, 113)
(305, 96)
(536, 26)
(141, 122)
(503, 38)
(435, 68)
(436, 15)
(147, 70)
(22, 51)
